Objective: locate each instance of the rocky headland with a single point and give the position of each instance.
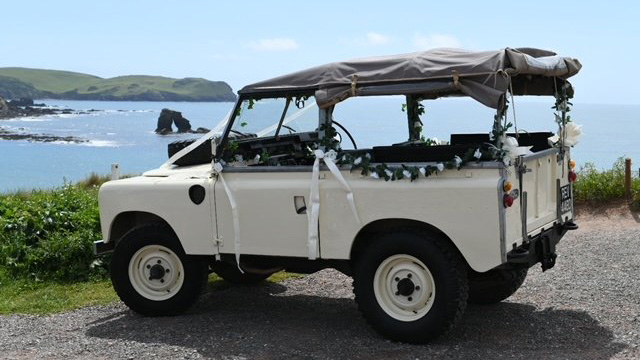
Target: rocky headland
(25, 107)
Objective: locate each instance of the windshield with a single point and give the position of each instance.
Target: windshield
(261, 117)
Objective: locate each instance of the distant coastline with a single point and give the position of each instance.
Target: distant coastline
(16, 83)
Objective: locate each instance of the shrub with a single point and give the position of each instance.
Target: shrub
(595, 185)
(49, 235)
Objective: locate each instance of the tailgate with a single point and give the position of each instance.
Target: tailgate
(546, 192)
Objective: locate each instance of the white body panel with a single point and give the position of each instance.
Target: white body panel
(466, 205)
(167, 198)
(269, 224)
(540, 184)
(463, 204)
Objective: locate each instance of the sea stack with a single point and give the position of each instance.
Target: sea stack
(169, 117)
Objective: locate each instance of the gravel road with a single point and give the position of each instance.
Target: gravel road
(587, 307)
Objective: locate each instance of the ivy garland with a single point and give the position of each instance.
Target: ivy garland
(363, 163)
(403, 171)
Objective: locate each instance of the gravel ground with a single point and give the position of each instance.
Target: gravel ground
(587, 307)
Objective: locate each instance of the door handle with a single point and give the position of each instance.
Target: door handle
(299, 205)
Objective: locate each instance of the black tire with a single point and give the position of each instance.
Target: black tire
(494, 285)
(183, 287)
(230, 273)
(443, 263)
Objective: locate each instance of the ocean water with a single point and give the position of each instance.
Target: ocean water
(123, 133)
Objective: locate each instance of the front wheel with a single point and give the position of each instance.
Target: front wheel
(410, 286)
(151, 273)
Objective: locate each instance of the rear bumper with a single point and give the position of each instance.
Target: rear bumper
(540, 248)
(101, 248)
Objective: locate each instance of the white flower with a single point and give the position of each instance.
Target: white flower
(375, 175)
(406, 173)
(477, 154)
(331, 154)
(239, 157)
(217, 167)
(457, 160)
(388, 172)
(319, 154)
(440, 167)
(357, 161)
(506, 160)
(574, 132)
(423, 171)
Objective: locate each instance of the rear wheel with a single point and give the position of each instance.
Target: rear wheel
(410, 286)
(151, 273)
(494, 285)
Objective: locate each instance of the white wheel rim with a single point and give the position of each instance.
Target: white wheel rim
(156, 272)
(404, 287)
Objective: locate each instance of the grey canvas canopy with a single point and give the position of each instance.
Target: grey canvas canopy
(485, 76)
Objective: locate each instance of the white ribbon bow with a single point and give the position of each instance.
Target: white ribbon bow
(314, 197)
(217, 169)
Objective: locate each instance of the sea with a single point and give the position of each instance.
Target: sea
(122, 133)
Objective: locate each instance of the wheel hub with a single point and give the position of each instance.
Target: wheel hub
(157, 271)
(406, 287)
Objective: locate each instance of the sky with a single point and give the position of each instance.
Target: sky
(241, 42)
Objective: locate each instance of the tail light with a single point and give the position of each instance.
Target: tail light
(573, 177)
(508, 200)
(507, 186)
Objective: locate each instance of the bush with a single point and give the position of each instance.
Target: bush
(49, 235)
(595, 185)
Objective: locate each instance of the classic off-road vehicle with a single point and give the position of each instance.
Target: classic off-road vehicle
(422, 225)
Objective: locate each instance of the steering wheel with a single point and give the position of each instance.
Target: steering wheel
(237, 132)
(355, 147)
(291, 130)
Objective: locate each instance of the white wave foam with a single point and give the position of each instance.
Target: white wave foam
(100, 143)
(29, 119)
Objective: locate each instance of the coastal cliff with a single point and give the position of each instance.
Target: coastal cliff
(53, 84)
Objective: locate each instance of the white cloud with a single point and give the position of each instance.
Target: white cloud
(430, 41)
(374, 38)
(275, 44)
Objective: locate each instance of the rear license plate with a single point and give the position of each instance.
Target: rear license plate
(565, 198)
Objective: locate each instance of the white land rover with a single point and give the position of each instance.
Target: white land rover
(423, 226)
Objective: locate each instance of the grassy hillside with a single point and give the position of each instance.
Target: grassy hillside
(39, 83)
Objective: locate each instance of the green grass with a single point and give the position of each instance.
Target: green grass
(28, 297)
(41, 298)
(57, 84)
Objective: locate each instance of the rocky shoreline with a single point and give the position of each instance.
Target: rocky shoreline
(15, 109)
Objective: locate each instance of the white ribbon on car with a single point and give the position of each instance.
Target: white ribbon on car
(314, 197)
(207, 137)
(217, 169)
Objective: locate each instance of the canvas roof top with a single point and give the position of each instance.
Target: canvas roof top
(485, 76)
